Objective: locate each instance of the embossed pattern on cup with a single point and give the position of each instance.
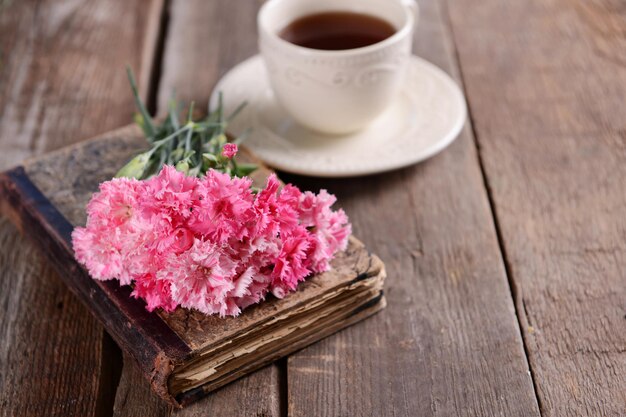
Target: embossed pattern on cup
(335, 91)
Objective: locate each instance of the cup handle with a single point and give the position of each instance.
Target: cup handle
(413, 7)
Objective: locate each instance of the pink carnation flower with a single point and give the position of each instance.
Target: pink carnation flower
(291, 264)
(208, 244)
(114, 223)
(204, 278)
(170, 196)
(224, 207)
(257, 288)
(229, 150)
(156, 292)
(276, 211)
(331, 228)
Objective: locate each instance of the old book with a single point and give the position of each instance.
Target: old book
(183, 354)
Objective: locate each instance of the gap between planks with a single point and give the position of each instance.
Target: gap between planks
(160, 32)
(283, 386)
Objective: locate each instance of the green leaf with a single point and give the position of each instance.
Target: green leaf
(147, 125)
(190, 112)
(221, 139)
(172, 111)
(188, 138)
(162, 156)
(220, 107)
(177, 155)
(191, 146)
(171, 136)
(195, 171)
(183, 166)
(138, 119)
(136, 167)
(243, 170)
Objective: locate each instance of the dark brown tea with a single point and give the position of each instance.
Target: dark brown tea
(337, 30)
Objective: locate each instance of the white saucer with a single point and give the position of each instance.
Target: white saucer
(425, 118)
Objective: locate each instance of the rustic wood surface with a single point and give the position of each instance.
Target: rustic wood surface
(448, 343)
(54, 357)
(546, 83)
(391, 371)
(518, 223)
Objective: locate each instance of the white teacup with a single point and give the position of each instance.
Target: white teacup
(329, 91)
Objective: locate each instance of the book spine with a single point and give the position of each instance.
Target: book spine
(143, 335)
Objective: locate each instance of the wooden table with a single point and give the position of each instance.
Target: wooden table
(505, 253)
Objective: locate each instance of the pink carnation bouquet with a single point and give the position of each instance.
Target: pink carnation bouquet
(207, 240)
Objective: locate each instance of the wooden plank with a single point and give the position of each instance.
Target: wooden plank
(54, 90)
(52, 351)
(547, 81)
(256, 395)
(205, 39)
(202, 43)
(448, 342)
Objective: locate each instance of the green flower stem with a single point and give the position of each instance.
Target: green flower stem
(193, 147)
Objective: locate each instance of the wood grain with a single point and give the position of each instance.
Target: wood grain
(53, 353)
(54, 90)
(448, 343)
(204, 39)
(256, 395)
(546, 82)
